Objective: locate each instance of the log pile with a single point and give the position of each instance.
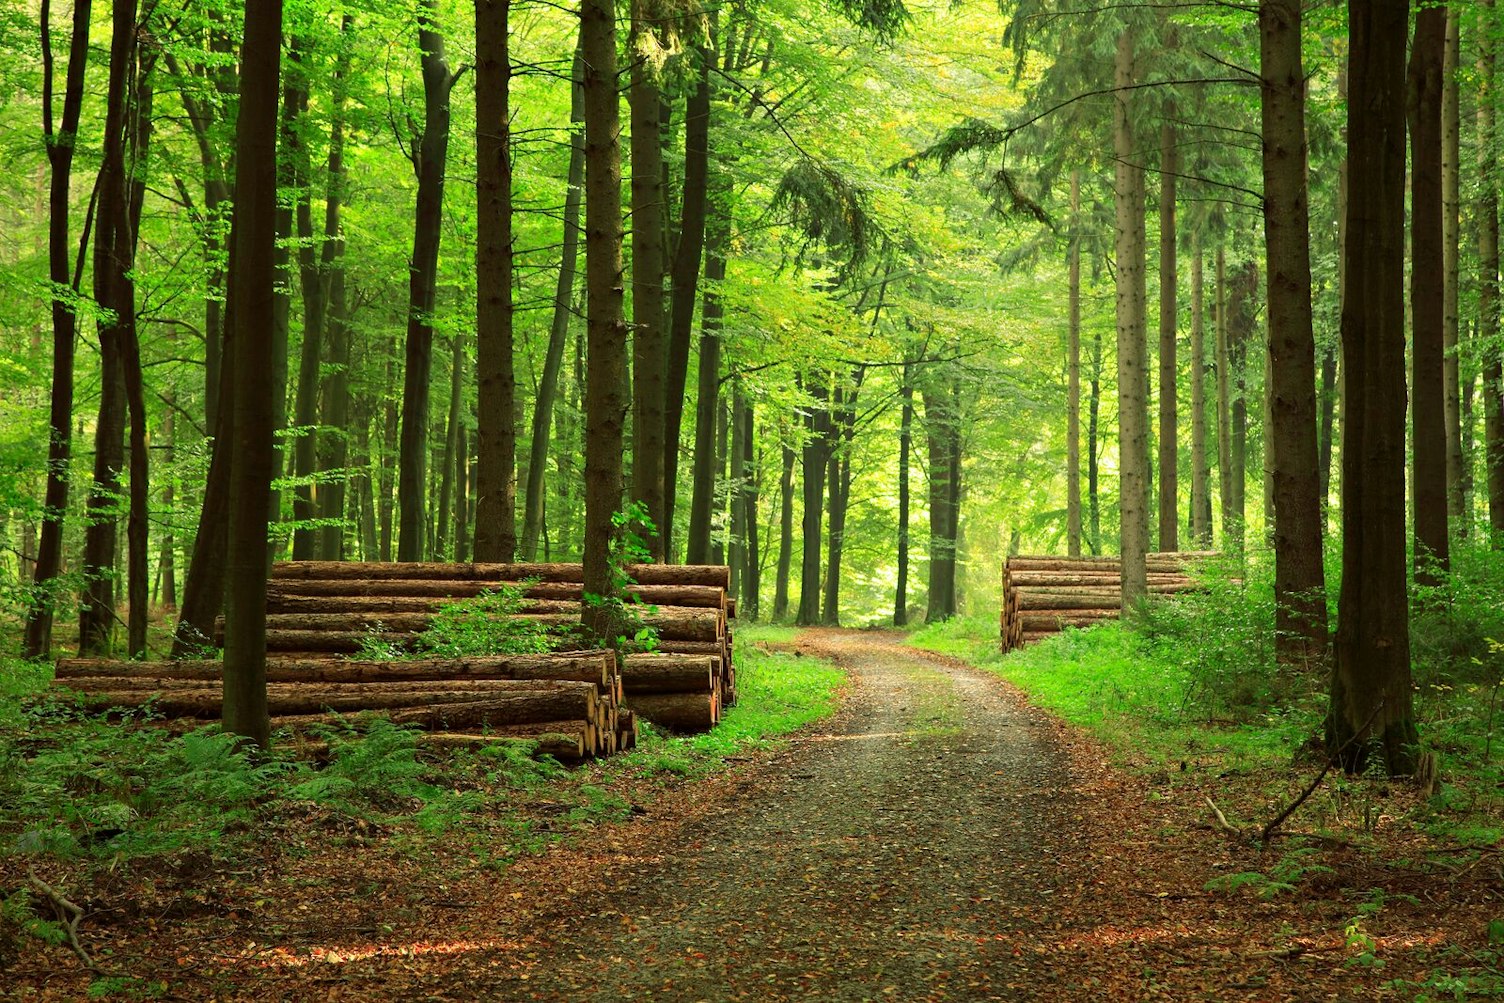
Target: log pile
(568, 704)
(1042, 595)
(325, 609)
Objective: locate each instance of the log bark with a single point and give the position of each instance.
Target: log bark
(581, 666)
(714, 575)
(679, 711)
(668, 674)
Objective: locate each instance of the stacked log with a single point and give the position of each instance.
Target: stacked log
(567, 704)
(324, 609)
(1043, 594)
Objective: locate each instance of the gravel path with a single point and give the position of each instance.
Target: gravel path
(904, 852)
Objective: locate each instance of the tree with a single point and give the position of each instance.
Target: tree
(1073, 385)
(251, 306)
(1133, 418)
(606, 331)
(1169, 454)
(428, 151)
(1299, 576)
(60, 142)
(1371, 687)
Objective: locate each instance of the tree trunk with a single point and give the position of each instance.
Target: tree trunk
(251, 307)
(785, 536)
(453, 469)
(429, 153)
(1451, 129)
(649, 334)
(1371, 686)
(336, 389)
(168, 565)
(1230, 529)
(1072, 399)
(748, 479)
(943, 433)
(1133, 419)
(292, 177)
(307, 500)
(606, 398)
(558, 332)
(1299, 575)
(114, 291)
(684, 277)
(702, 502)
(905, 444)
(816, 456)
(138, 532)
(1488, 275)
(60, 144)
(1093, 412)
(1169, 453)
(736, 552)
(1427, 296)
(496, 384)
(1201, 501)
(390, 425)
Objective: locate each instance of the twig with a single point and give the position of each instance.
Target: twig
(1223, 825)
(1331, 760)
(70, 913)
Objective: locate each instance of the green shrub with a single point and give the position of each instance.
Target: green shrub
(488, 624)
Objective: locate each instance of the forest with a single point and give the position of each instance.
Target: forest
(859, 300)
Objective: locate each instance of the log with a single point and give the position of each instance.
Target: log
(669, 673)
(362, 607)
(283, 591)
(1035, 599)
(493, 713)
(679, 711)
(523, 705)
(714, 575)
(595, 666)
(1056, 619)
(1072, 579)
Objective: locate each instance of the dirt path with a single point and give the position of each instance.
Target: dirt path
(898, 854)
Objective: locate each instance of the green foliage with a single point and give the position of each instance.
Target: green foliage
(1287, 872)
(620, 610)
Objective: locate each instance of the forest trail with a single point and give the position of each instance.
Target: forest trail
(899, 852)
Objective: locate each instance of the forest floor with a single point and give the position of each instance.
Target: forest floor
(937, 839)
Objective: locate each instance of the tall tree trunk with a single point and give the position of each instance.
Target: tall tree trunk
(943, 433)
(905, 445)
(307, 501)
(702, 501)
(1072, 399)
(1427, 296)
(606, 398)
(752, 576)
(815, 458)
(1241, 308)
(1291, 455)
(60, 144)
(1169, 439)
(168, 566)
(1451, 130)
(429, 154)
(1201, 500)
(138, 532)
(453, 466)
(558, 332)
(1488, 273)
(1371, 685)
(1230, 528)
(1093, 413)
(291, 179)
(1133, 418)
(649, 335)
(389, 448)
(336, 408)
(785, 535)
(251, 306)
(114, 292)
(496, 383)
(684, 278)
(736, 549)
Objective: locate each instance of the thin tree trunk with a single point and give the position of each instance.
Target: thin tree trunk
(1133, 416)
(138, 532)
(736, 550)
(702, 502)
(1072, 403)
(1488, 275)
(785, 535)
(905, 444)
(1371, 686)
(752, 576)
(606, 397)
(496, 383)
(1169, 453)
(60, 144)
(1230, 528)
(1427, 296)
(452, 465)
(684, 277)
(251, 299)
(336, 406)
(816, 456)
(307, 503)
(1201, 501)
(168, 566)
(942, 433)
(1451, 129)
(649, 335)
(558, 333)
(389, 448)
(429, 154)
(291, 178)
(1093, 413)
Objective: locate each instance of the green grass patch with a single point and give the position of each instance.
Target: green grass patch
(748, 634)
